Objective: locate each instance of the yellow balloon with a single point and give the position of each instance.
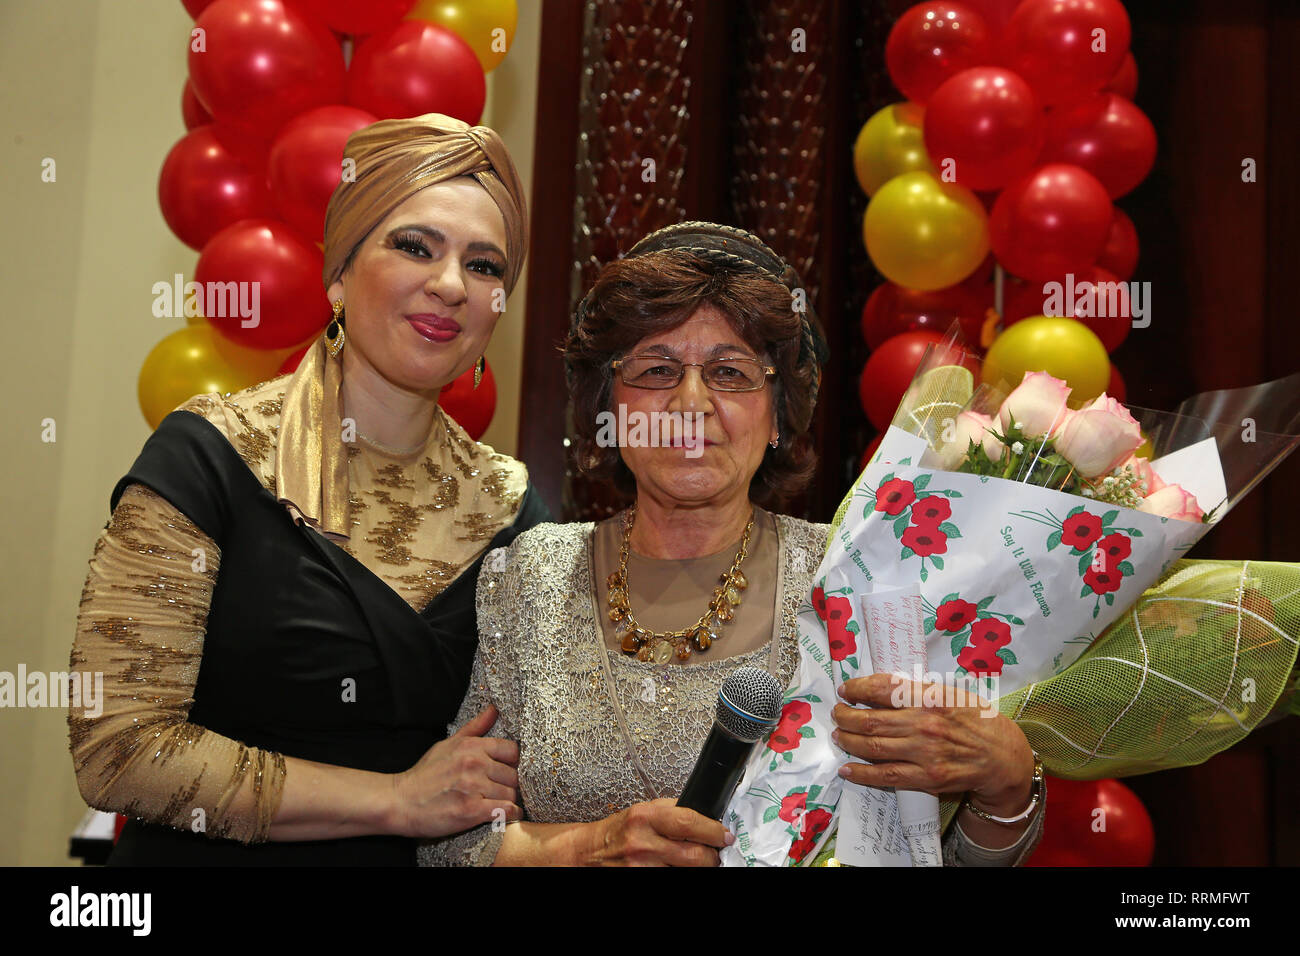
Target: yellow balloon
(924, 234)
(890, 144)
(1064, 348)
(488, 26)
(259, 364)
(184, 364)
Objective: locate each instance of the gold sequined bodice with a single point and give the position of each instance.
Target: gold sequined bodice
(416, 519)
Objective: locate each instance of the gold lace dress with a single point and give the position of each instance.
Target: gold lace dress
(599, 730)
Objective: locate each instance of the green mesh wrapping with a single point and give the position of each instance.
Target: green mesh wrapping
(1197, 663)
(1192, 668)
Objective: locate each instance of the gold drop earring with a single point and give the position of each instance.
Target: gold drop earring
(478, 370)
(334, 333)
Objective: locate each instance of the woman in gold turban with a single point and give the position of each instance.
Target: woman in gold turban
(282, 604)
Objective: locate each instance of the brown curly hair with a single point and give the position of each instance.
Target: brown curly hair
(656, 292)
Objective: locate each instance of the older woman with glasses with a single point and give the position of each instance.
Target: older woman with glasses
(603, 645)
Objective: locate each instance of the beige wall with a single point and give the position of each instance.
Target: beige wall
(96, 86)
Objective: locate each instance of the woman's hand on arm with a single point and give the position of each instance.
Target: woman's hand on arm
(962, 746)
(459, 783)
(655, 833)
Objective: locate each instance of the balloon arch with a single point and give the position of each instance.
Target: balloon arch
(275, 89)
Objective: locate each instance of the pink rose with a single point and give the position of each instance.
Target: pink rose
(1172, 501)
(966, 428)
(1098, 436)
(1142, 468)
(1037, 404)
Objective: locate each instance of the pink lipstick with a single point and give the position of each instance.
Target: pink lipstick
(435, 328)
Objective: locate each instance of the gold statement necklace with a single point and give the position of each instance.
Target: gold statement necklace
(661, 646)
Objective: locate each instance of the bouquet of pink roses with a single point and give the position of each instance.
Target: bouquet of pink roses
(991, 540)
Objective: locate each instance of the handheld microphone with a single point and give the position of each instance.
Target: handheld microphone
(749, 706)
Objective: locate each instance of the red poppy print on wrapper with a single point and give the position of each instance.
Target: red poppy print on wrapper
(1103, 548)
(791, 728)
(954, 615)
(835, 610)
(813, 823)
(980, 661)
(920, 521)
(841, 629)
(931, 511)
(805, 819)
(987, 632)
(1080, 530)
(793, 807)
(894, 495)
(1115, 546)
(990, 633)
(926, 542)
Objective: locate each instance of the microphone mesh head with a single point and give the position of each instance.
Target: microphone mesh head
(749, 703)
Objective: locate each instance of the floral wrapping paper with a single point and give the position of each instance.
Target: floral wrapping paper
(1015, 582)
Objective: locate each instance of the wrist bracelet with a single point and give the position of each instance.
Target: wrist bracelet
(1037, 796)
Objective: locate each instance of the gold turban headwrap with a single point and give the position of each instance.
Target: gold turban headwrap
(396, 158)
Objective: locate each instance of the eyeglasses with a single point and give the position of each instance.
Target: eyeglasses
(721, 375)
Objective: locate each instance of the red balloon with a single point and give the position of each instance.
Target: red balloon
(1054, 45)
(1117, 389)
(987, 121)
(196, 7)
(249, 148)
(202, 188)
(264, 62)
(1106, 135)
(1094, 290)
(1125, 82)
(471, 407)
(933, 41)
(286, 270)
(890, 369)
(996, 13)
(892, 309)
(1051, 222)
(1094, 823)
(870, 450)
(349, 16)
(293, 360)
(306, 164)
(1120, 253)
(192, 110)
(414, 68)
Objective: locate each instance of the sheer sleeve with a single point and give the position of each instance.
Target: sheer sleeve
(140, 632)
(479, 846)
(493, 680)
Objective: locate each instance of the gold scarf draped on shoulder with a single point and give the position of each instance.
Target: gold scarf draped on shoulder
(311, 462)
